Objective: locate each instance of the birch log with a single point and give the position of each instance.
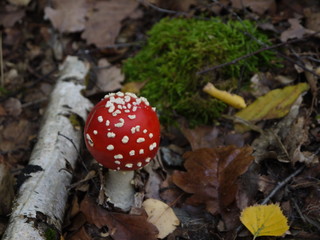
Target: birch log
(40, 204)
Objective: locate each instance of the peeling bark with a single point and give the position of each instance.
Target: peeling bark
(40, 204)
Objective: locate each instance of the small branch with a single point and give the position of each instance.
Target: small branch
(282, 184)
(241, 58)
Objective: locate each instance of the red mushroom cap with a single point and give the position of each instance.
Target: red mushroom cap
(122, 132)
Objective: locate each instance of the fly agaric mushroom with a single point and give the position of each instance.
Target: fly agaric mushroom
(122, 132)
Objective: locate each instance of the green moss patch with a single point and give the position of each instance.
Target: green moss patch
(178, 48)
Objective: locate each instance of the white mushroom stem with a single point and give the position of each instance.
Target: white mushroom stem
(119, 189)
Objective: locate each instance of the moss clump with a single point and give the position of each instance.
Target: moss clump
(177, 48)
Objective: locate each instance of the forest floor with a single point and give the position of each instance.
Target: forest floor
(275, 161)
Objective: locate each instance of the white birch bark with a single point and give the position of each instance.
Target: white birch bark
(40, 203)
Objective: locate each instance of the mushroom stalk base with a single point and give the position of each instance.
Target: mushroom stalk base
(119, 189)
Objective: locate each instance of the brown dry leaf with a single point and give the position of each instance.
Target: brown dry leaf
(210, 137)
(296, 30)
(109, 78)
(312, 19)
(13, 107)
(177, 5)
(202, 136)
(121, 226)
(81, 235)
(9, 15)
(15, 135)
(19, 2)
(258, 6)
(212, 175)
(67, 16)
(104, 21)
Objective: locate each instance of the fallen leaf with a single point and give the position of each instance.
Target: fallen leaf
(109, 78)
(13, 107)
(296, 30)
(121, 226)
(133, 87)
(275, 104)
(258, 6)
(212, 175)
(80, 235)
(162, 216)
(264, 220)
(177, 5)
(312, 19)
(19, 2)
(67, 16)
(9, 15)
(104, 21)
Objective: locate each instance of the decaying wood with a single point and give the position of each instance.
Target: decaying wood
(41, 200)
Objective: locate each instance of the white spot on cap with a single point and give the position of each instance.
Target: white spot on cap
(100, 119)
(117, 162)
(111, 134)
(125, 139)
(127, 111)
(108, 104)
(111, 108)
(129, 165)
(154, 109)
(129, 105)
(95, 132)
(131, 94)
(118, 156)
(145, 101)
(141, 151)
(135, 129)
(150, 135)
(139, 164)
(120, 94)
(132, 116)
(140, 140)
(132, 153)
(145, 130)
(120, 123)
(152, 146)
(89, 140)
(110, 147)
(127, 98)
(134, 108)
(116, 112)
(148, 159)
(107, 123)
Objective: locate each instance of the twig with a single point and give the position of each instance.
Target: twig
(162, 9)
(275, 190)
(282, 184)
(241, 58)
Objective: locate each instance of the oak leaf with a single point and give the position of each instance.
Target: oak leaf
(212, 175)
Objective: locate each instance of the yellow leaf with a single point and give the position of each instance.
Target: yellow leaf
(264, 220)
(233, 100)
(162, 216)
